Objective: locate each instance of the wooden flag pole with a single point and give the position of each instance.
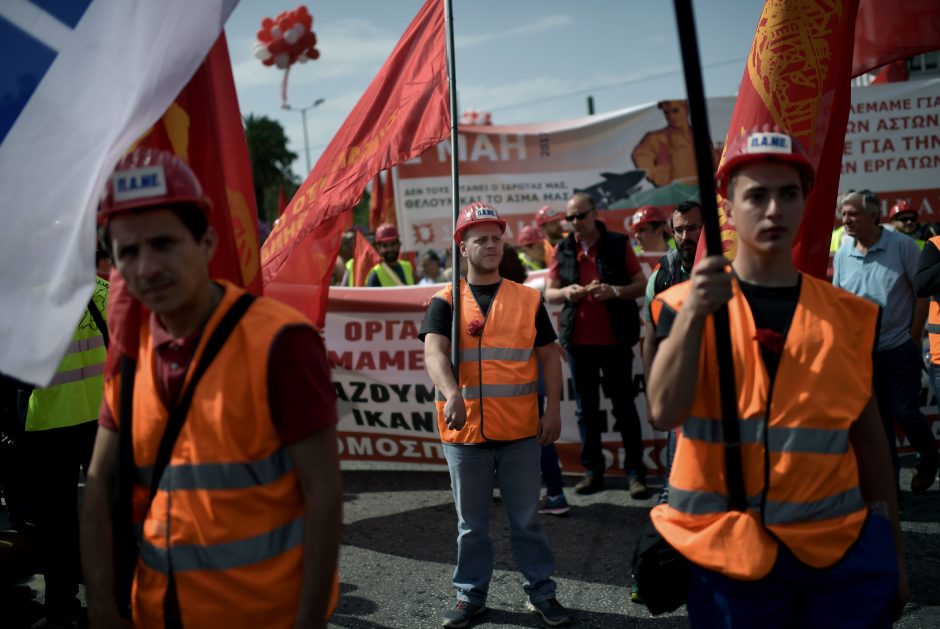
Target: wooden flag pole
(691, 63)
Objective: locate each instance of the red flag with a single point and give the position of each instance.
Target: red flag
(402, 113)
(889, 30)
(376, 203)
(204, 128)
(365, 257)
(281, 201)
(894, 72)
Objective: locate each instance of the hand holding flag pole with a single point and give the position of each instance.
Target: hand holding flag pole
(685, 21)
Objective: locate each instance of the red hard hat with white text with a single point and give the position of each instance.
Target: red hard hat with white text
(766, 142)
(151, 178)
(901, 207)
(547, 214)
(646, 215)
(477, 213)
(529, 235)
(386, 232)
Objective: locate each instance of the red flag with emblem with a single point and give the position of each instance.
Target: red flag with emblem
(365, 257)
(203, 127)
(402, 113)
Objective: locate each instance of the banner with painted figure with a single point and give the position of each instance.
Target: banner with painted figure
(625, 159)
(386, 399)
(643, 155)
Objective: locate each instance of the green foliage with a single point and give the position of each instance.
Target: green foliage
(270, 163)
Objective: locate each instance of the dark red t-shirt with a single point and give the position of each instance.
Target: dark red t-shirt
(302, 396)
(592, 325)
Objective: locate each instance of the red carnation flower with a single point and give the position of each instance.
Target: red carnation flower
(770, 340)
(475, 328)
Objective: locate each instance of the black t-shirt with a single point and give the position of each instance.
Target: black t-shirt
(438, 319)
(771, 306)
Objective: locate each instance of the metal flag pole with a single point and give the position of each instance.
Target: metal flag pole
(688, 40)
(455, 189)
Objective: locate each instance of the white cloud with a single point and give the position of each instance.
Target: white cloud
(541, 25)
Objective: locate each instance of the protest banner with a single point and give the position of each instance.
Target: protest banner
(634, 157)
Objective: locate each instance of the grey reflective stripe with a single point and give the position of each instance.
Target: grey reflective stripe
(221, 475)
(933, 328)
(227, 555)
(703, 502)
(499, 390)
(831, 507)
(495, 353)
(83, 345)
(810, 440)
(74, 375)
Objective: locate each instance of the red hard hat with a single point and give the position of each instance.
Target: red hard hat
(529, 236)
(901, 207)
(548, 215)
(764, 142)
(646, 215)
(477, 213)
(386, 232)
(151, 178)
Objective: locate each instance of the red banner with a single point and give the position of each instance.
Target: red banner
(887, 31)
(403, 112)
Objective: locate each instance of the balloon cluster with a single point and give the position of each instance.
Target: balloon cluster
(287, 39)
(474, 117)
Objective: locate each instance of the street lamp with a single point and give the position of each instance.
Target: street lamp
(303, 114)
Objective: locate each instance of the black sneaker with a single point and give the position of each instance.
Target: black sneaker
(590, 484)
(552, 612)
(461, 614)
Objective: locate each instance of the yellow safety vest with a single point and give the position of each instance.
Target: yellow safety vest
(74, 395)
(387, 278)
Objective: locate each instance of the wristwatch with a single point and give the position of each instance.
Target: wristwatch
(616, 291)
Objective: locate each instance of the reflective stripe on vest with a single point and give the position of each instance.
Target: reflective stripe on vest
(217, 476)
(703, 503)
(799, 469)
(779, 439)
(73, 396)
(499, 372)
(225, 556)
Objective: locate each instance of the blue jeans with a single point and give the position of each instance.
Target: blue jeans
(858, 591)
(514, 469)
(897, 378)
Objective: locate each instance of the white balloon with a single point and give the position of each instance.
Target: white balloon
(260, 50)
(294, 34)
(282, 60)
(303, 58)
(275, 33)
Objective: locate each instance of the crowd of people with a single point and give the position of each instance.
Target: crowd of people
(214, 494)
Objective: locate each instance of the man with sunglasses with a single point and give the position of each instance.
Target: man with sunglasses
(904, 218)
(595, 273)
(880, 265)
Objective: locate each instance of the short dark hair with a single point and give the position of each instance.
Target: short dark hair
(192, 216)
(510, 267)
(684, 208)
(431, 255)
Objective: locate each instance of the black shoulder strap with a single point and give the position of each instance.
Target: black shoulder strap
(181, 409)
(99, 321)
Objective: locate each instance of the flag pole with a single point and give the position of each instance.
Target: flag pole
(691, 63)
(455, 189)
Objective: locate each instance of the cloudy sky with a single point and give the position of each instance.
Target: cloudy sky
(522, 60)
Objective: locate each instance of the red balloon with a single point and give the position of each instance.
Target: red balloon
(278, 46)
(302, 10)
(264, 35)
(269, 61)
(284, 23)
(313, 42)
(313, 53)
(306, 40)
(307, 21)
(267, 23)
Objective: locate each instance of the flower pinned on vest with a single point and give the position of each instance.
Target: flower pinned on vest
(475, 328)
(771, 340)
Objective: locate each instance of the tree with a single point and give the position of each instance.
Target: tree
(270, 163)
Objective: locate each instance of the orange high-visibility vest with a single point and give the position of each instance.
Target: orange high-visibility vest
(800, 472)
(933, 319)
(228, 517)
(498, 368)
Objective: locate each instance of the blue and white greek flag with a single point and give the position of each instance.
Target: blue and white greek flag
(79, 82)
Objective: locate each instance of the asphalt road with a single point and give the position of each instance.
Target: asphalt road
(399, 549)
